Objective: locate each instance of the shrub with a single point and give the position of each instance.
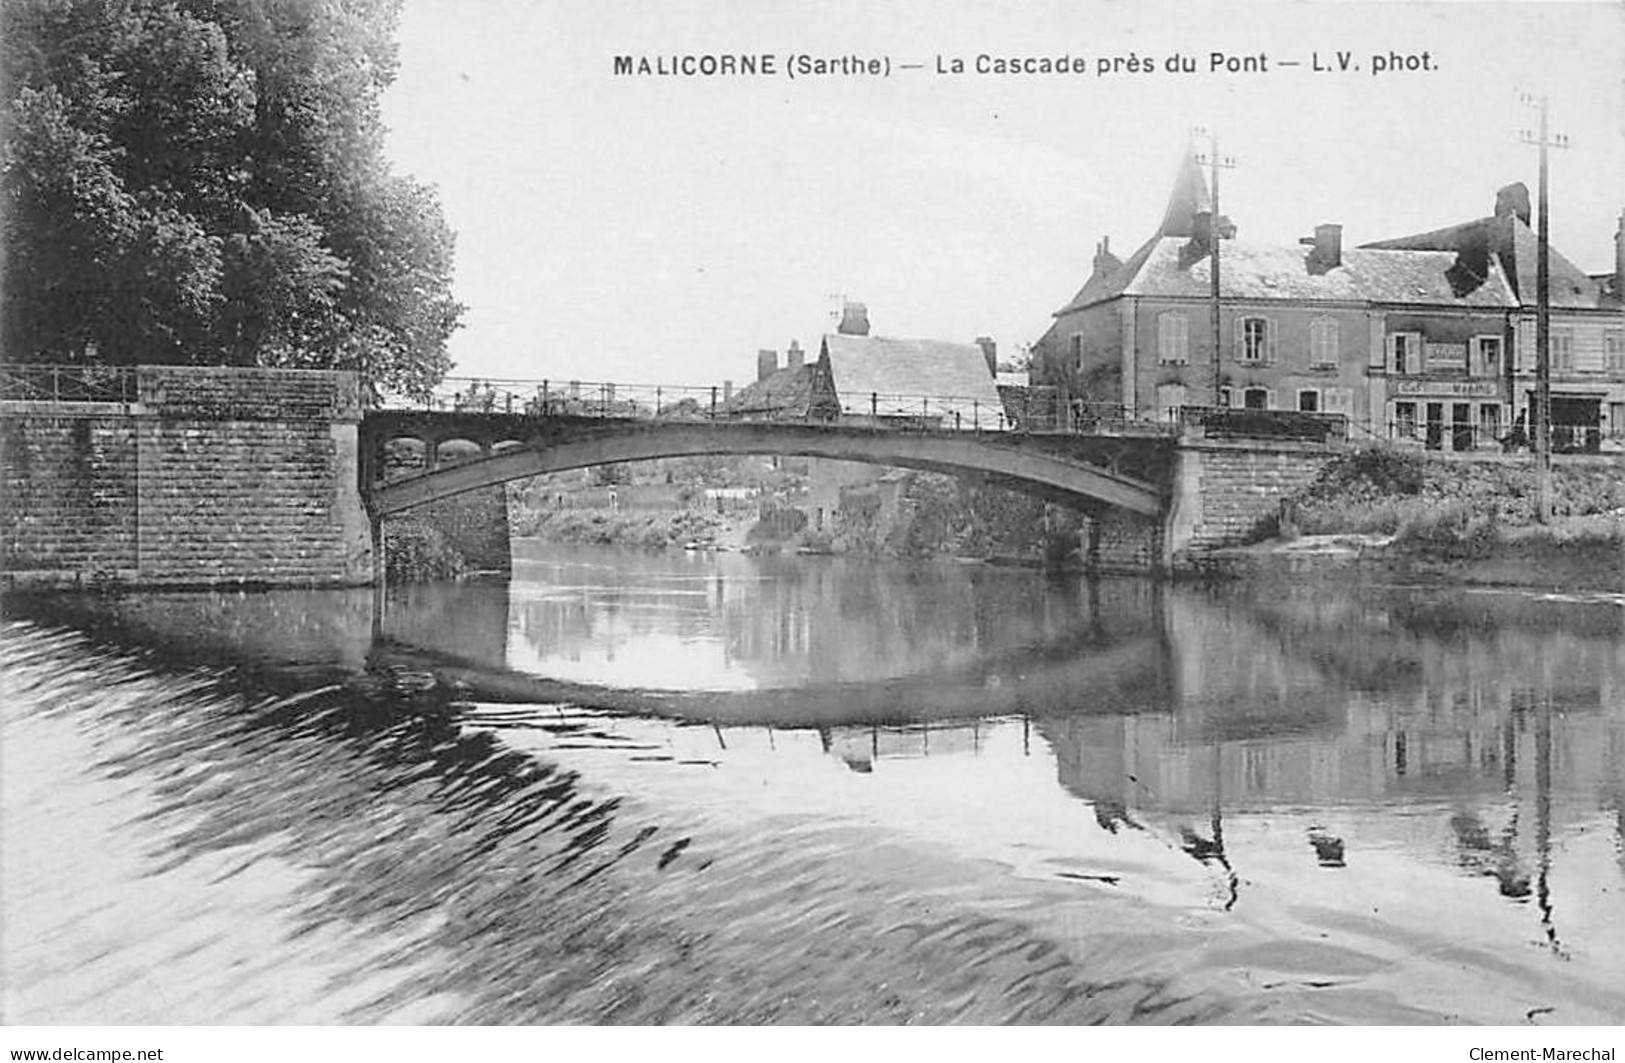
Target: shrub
(1457, 530)
(777, 523)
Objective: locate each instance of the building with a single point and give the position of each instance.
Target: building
(861, 379)
(1401, 340)
(1587, 322)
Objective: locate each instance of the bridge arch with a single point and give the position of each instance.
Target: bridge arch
(1001, 458)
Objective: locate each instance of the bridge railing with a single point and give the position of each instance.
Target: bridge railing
(68, 383)
(1035, 409)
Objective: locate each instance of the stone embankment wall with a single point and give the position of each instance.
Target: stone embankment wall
(207, 477)
(1223, 491)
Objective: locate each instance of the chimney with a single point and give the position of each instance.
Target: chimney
(854, 320)
(767, 363)
(793, 356)
(1327, 248)
(990, 351)
(1105, 261)
(1201, 242)
(1513, 200)
(1202, 230)
(1329, 245)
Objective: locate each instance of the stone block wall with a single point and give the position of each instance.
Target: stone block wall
(212, 477)
(69, 504)
(1117, 541)
(1224, 491)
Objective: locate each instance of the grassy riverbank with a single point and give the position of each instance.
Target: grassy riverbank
(1467, 521)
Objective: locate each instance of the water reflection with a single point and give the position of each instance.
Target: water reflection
(634, 787)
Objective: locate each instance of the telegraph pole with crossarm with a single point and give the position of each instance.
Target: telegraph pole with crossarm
(1541, 418)
(1215, 162)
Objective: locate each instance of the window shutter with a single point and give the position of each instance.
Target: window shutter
(1239, 351)
(1269, 402)
(1269, 340)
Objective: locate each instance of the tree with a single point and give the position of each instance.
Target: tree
(203, 181)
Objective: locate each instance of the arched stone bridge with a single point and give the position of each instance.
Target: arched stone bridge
(1127, 471)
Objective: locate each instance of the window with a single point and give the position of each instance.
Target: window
(1173, 337)
(1077, 350)
(1562, 350)
(1613, 348)
(1405, 352)
(1170, 397)
(1487, 355)
(1323, 343)
(1255, 339)
(1256, 398)
(1489, 422)
(1308, 401)
(1336, 400)
(1616, 419)
(1405, 420)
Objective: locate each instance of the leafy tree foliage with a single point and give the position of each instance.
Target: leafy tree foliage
(203, 181)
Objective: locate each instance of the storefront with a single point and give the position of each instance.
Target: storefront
(1577, 420)
(1447, 414)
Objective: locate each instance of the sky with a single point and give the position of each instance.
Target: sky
(664, 229)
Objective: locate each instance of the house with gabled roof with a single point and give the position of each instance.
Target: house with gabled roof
(1587, 343)
(862, 379)
(858, 378)
(1309, 326)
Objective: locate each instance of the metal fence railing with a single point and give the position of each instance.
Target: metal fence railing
(1034, 409)
(1008, 408)
(68, 383)
(1459, 436)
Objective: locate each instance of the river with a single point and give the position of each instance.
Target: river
(629, 787)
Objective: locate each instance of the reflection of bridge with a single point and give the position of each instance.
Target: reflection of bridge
(1120, 678)
(526, 430)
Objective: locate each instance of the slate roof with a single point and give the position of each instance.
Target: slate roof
(786, 393)
(953, 377)
(1103, 286)
(1570, 287)
(1260, 271)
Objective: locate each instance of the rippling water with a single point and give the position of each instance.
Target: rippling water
(678, 788)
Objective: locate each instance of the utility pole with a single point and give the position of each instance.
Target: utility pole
(1215, 162)
(1541, 417)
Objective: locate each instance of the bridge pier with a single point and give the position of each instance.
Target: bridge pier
(1223, 492)
(182, 476)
